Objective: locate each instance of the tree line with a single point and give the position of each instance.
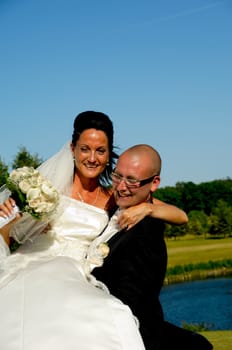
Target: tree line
(208, 205)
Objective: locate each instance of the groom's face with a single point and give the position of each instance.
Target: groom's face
(128, 180)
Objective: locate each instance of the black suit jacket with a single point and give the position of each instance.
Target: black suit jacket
(134, 272)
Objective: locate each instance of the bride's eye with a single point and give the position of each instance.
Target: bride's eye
(84, 149)
(101, 151)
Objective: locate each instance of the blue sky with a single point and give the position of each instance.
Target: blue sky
(162, 70)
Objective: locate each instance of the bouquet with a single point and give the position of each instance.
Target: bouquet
(33, 194)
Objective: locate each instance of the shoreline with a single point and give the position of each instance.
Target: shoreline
(198, 275)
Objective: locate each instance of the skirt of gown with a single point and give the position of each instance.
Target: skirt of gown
(50, 305)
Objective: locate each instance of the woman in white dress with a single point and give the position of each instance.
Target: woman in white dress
(47, 300)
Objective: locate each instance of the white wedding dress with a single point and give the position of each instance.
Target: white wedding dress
(46, 301)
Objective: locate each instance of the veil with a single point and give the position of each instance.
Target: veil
(59, 170)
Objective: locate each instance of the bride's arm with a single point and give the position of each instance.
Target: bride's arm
(6, 210)
(4, 232)
(158, 209)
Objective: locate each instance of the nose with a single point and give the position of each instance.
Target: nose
(92, 157)
(121, 185)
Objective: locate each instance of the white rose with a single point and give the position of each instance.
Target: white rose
(43, 207)
(15, 176)
(34, 181)
(49, 191)
(33, 193)
(24, 185)
(20, 173)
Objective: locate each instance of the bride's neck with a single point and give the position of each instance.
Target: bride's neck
(91, 192)
(85, 184)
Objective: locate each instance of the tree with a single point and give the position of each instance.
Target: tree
(170, 195)
(213, 191)
(221, 219)
(24, 158)
(192, 197)
(198, 223)
(174, 231)
(3, 172)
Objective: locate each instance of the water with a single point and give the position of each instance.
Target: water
(206, 301)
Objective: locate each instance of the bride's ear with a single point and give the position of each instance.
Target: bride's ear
(72, 148)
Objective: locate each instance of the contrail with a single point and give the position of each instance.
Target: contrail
(188, 12)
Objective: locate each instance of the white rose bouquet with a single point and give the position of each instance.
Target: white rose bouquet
(33, 193)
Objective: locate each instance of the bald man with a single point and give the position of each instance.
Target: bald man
(135, 268)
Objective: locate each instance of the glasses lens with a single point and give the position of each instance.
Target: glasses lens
(116, 178)
(130, 183)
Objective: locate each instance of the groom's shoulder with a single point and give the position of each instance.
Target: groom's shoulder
(148, 225)
(148, 229)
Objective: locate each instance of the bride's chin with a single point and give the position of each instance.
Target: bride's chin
(92, 173)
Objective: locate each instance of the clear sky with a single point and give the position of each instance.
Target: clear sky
(161, 69)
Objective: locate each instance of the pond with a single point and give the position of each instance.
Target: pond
(206, 301)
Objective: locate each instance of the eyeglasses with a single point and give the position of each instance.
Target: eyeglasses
(130, 182)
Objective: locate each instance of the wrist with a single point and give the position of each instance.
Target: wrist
(149, 209)
(4, 232)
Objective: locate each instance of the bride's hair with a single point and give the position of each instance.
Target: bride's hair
(99, 121)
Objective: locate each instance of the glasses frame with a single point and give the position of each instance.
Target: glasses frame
(136, 184)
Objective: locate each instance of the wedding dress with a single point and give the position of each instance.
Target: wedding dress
(47, 302)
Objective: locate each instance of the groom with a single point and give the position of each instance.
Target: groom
(135, 268)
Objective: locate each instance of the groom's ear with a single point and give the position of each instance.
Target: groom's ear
(155, 183)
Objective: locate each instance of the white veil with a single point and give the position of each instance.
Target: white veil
(59, 170)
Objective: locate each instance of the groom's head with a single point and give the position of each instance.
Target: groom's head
(136, 175)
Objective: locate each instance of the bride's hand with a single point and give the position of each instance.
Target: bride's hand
(7, 207)
(131, 216)
(11, 216)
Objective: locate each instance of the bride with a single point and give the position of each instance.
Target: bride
(47, 299)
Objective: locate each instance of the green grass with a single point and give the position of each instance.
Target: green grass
(193, 251)
(221, 340)
(197, 258)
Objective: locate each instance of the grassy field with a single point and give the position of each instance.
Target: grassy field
(221, 340)
(192, 250)
(186, 251)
